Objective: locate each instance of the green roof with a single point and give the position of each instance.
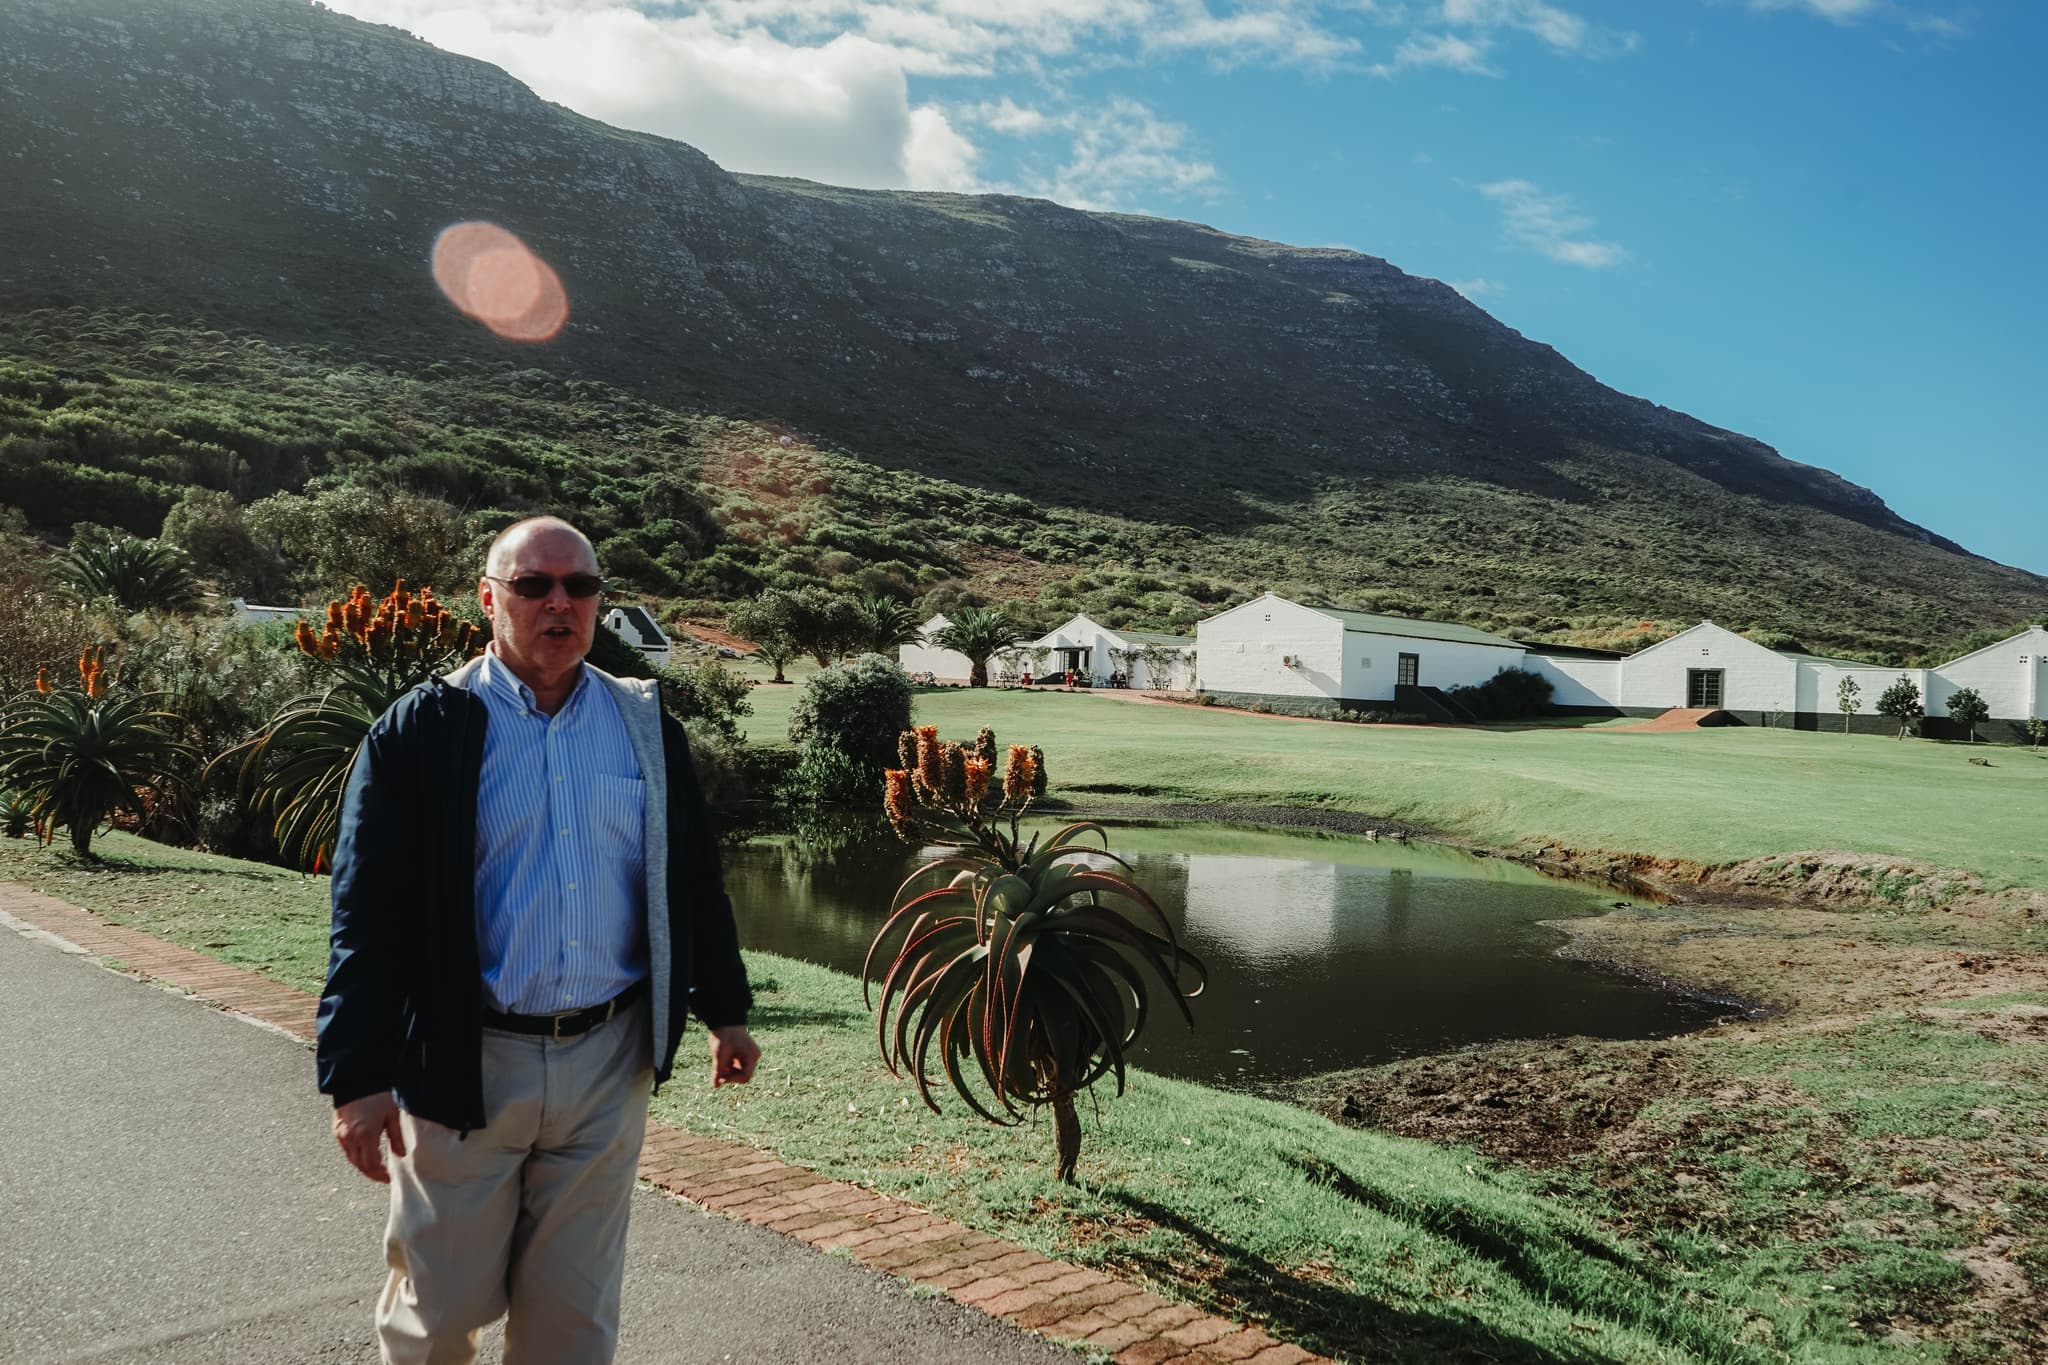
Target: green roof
(1415, 630)
(1153, 637)
(1824, 659)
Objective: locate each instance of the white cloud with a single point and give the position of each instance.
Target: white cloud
(1122, 152)
(1836, 11)
(1445, 50)
(1477, 289)
(1550, 225)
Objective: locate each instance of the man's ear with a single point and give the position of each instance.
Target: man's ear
(484, 595)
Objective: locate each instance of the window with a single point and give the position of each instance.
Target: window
(1703, 689)
(1409, 672)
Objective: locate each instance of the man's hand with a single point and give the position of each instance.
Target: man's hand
(360, 1126)
(733, 1054)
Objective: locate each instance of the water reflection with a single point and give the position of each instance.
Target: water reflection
(1324, 952)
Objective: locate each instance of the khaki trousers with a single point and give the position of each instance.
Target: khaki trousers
(526, 1216)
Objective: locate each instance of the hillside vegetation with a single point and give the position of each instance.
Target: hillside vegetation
(999, 390)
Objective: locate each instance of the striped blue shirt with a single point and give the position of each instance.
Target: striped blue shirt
(560, 849)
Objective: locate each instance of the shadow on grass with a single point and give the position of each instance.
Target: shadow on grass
(131, 867)
(772, 1015)
(1346, 1323)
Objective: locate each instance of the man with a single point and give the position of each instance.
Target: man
(527, 902)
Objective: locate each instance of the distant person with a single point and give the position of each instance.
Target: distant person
(1027, 677)
(527, 902)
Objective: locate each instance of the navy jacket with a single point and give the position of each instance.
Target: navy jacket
(403, 1007)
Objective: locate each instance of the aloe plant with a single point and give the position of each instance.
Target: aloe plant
(140, 575)
(298, 763)
(1030, 966)
(73, 756)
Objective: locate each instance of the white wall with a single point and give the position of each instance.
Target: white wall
(1240, 650)
(1177, 677)
(923, 658)
(1753, 678)
(2008, 686)
(1372, 663)
(1578, 682)
(1820, 686)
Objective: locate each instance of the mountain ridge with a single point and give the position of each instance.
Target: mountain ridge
(1186, 380)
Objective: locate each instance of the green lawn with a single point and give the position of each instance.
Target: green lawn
(1711, 796)
(1356, 1243)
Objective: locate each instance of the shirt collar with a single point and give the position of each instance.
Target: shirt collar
(499, 677)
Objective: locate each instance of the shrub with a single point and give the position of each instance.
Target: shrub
(1510, 694)
(856, 709)
(708, 694)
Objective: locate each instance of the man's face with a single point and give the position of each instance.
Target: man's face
(540, 637)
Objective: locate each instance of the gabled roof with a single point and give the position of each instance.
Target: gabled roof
(2030, 630)
(1368, 623)
(643, 625)
(1153, 637)
(1575, 652)
(1797, 657)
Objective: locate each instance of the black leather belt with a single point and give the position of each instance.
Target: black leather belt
(566, 1025)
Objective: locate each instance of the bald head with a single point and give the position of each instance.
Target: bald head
(503, 556)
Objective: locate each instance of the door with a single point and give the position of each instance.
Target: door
(1703, 688)
(1409, 671)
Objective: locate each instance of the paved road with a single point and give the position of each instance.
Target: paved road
(169, 1193)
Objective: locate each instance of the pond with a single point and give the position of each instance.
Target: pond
(1324, 951)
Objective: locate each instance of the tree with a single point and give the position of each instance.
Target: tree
(813, 620)
(333, 537)
(1848, 696)
(74, 755)
(1036, 961)
(2037, 730)
(1966, 708)
(977, 633)
(758, 621)
(136, 574)
(210, 527)
(887, 625)
(1901, 702)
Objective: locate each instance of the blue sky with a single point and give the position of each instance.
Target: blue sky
(1816, 222)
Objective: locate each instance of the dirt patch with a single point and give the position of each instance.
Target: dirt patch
(1529, 1103)
(711, 633)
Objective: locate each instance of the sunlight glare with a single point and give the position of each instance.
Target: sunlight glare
(497, 279)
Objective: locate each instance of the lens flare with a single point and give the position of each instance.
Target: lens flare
(497, 279)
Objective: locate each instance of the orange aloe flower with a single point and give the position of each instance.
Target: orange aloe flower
(897, 802)
(977, 781)
(1017, 777)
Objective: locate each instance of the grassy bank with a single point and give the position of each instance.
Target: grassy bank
(1708, 796)
(1831, 1187)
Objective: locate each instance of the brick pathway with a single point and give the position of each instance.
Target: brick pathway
(1058, 1300)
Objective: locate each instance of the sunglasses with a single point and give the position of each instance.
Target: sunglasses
(537, 585)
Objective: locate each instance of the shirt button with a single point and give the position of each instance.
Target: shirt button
(565, 831)
(572, 886)
(561, 779)
(573, 942)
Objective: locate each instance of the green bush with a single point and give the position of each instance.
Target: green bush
(1510, 694)
(855, 709)
(708, 695)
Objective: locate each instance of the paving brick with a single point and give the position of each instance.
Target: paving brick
(1011, 1301)
(1282, 1354)
(1151, 1351)
(1239, 1345)
(1134, 1307)
(1076, 1326)
(1075, 1279)
(1116, 1337)
(1200, 1332)
(980, 1291)
(1167, 1318)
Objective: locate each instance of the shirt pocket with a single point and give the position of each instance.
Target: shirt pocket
(618, 817)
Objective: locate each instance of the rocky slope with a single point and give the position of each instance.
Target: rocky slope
(272, 166)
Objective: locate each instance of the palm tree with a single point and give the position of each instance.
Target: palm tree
(977, 633)
(73, 756)
(888, 624)
(140, 575)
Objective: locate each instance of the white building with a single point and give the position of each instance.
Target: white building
(1307, 659)
(245, 613)
(638, 629)
(1148, 659)
(948, 665)
(1297, 658)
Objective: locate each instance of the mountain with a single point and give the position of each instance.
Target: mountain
(1305, 419)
